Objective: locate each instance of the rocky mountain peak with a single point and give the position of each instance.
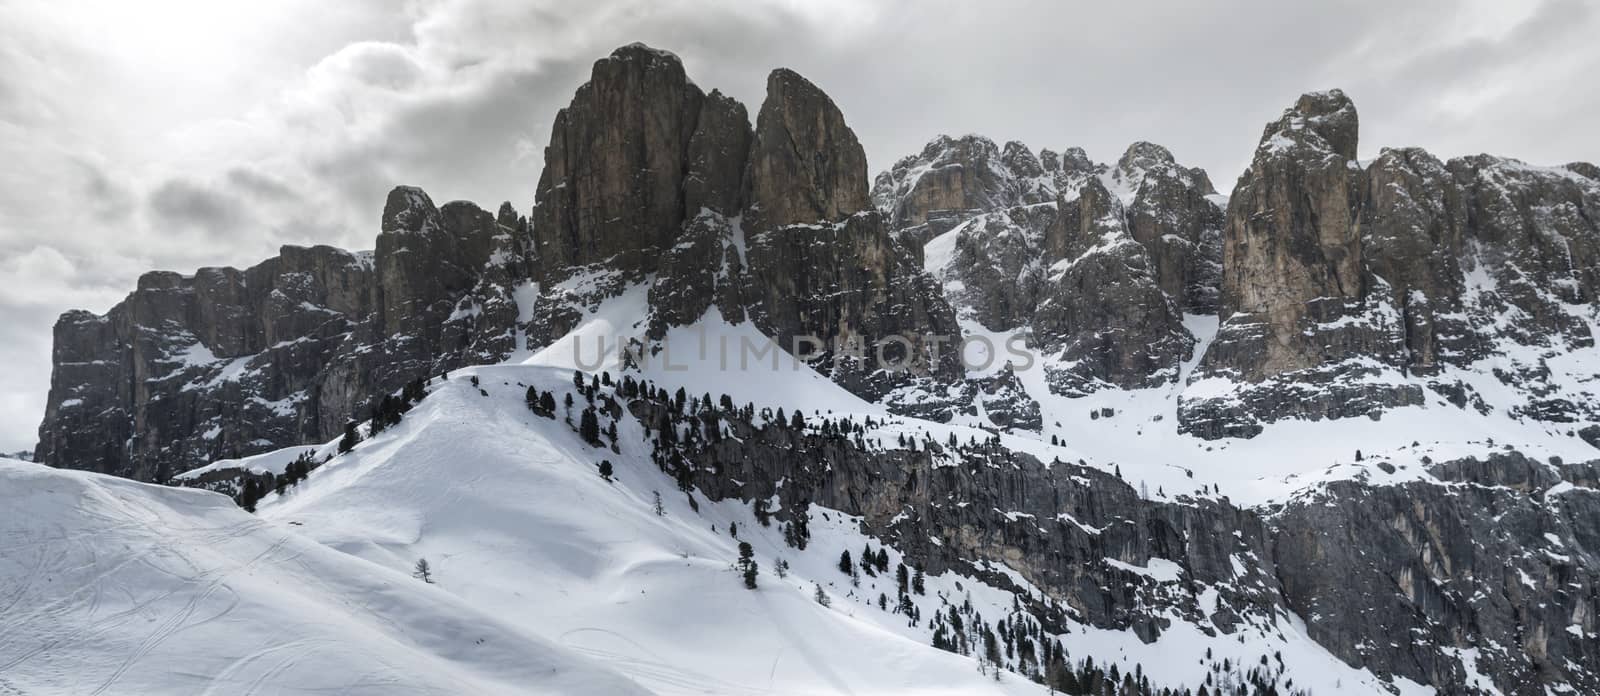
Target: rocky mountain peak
(1021, 160)
(409, 209)
(1144, 155)
(1584, 169)
(1323, 119)
(805, 163)
(612, 187)
(1075, 159)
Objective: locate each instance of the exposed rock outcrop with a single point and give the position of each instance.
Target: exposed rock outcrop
(1104, 315)
(223, 363)
(1300, 334)
(1098, 264)
(1500, 566)
(1349, 291)
(1485, 564)
(613, 183)
(806, 165)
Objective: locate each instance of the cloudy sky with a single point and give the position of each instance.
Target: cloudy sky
(175, 134)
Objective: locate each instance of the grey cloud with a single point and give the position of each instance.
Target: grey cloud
(185, 203)
(106, 197)
(259, 185)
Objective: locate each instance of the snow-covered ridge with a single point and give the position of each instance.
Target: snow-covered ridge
(109, 585)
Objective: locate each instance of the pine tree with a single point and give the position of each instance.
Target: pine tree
(351, 438)
(589, 427)
(902, 578)
(883, 560)
(547, 404)
(820, 596)
(659, 509)
(375, 415)
(577, 380)
(747, 564)
(250, 495)
(423, 571)
(605, 469)
(916, 582)
(845, 566)
(797, 422)
(533, 399)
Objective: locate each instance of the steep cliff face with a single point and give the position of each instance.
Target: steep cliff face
(1171, 212)
(225, 362)
(1491, 567)
(1097, 264)
(1486, 565)
(821, 264)
(1104, 315)
(953, 178)
(612, 187)
(647, 180)
(1300, 335)
(806, 165)
(1350, 291)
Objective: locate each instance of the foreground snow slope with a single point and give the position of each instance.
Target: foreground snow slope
(113, 587)
(510, 511)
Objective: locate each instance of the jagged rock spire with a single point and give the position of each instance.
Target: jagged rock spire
(805, 164)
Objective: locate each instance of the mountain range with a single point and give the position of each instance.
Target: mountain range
(1331, 432)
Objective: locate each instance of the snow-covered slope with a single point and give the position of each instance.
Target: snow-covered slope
(511, 513)
(513, 517)
(113, 587)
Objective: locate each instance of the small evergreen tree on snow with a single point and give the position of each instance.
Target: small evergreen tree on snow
(589, 427)
(351, 438)
(916, 582)
(733, 529)
(423, 571)
(781, 567)
(845, 566)
(819, 595)
(250, 495)
(547, 405)
(747, 564)
(532, 398)
(661, 511)
(605, 469)
(763, 517)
